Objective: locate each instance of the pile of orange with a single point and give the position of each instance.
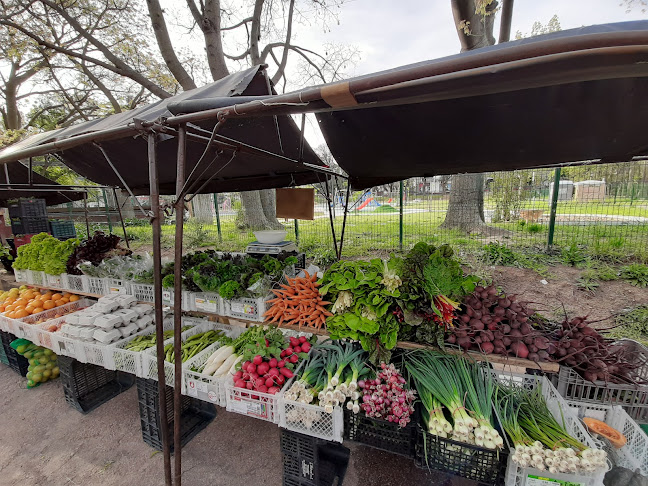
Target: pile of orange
(31, 301)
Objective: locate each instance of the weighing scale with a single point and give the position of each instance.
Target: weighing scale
(258, 250)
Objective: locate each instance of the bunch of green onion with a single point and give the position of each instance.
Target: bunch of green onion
(463, 388)
(539, 440)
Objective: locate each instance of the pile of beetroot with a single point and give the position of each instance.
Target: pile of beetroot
(491, 323)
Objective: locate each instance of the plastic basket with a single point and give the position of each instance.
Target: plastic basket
(206, 387)
(208, 302)
(95, 285)
(149, 357)
(16, 362)
(55, 281)
(196, 414)
(633, 398)
(28, 208)
(118, 286)
(75, 283)
(142, 292)
(21, 275)
(3, 356)
(326, 426)
(308, 461)
(88, 386)
(519, 476)
(186, 303)
(26, 226)
(246, 308)
(35, 277)
(634, 455)
(63, 230)
(380, 434)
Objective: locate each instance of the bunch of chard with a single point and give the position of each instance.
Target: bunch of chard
(386, 397)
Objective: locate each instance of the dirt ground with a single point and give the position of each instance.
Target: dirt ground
(608, 299)
(43, 441)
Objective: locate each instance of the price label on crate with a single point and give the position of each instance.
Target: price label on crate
(166, 297)
(541, 481)
(117, 290)
(242, 308)
(194, 388)
(213, 396)
(206, 305)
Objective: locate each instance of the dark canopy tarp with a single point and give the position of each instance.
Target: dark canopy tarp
(129, 153)
(601, 117)
(19, 174)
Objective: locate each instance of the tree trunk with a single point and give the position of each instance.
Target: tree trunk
(466, 206)
(269, 205)
(253, 216)
(203, 206)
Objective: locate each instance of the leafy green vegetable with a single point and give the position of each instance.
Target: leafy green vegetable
(168, 281)
(45, 253)
(229, 289)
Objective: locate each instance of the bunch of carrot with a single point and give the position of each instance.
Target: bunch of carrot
(299, 303)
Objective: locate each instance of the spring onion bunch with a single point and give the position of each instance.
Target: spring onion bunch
(460, 386)
(539, 440)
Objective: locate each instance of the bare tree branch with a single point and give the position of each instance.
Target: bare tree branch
(284, 58)
(104, 89)
(235, 26)
(255, 34)
(166, 48)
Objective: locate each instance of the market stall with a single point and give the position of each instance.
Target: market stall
(375, 125)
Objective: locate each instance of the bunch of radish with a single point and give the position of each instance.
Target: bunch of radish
(387, 396)
(269, 364)
(493, 323)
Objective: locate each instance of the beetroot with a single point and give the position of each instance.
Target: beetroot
(519, 349)
(487, 347)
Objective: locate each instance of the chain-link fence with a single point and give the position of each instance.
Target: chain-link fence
(603, 208)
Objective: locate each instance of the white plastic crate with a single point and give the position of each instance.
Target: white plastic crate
(55, 281)
(311, 420)
(21, 275)
(206, 387)
(95, 285)
(149, 357)
(634, 455)
(36, 278)
(208, 302)
(633, 398)
(142, 292)
(118, 286)
(255, 404)
(75, 283)
(187, 303)
(529, 476)
(3, 323)
(246, 308)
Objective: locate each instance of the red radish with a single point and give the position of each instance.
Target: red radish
(263, 368)
(281, 364)
(251, 368)
(273, 363)
(249, 385)
(289, 351)
(302, 339)
(263, 389)
(246, 376)
(282, 354)
(281, 379)
(273, 390)
(273, 372)
(245, 365)
(269, 382)
(239, 384)
(297, 349)
(306, 347)
(267, 343)
(286, 372)
(294, 341)
(238, 375)
(254, 376)
(258, 359)
(258, 382)
(294, 358)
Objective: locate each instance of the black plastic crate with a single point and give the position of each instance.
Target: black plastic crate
(87, 386)
(308, 461)
(380, 434)
(196, 414)
(3, 356)
(63, 230)
(28, 208)
(485, 466)
(16, 362)
(26, 226)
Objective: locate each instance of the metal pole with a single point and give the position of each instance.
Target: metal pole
(85, 210)
(554, 206)
(177, 305)
(30, 176)
(297, 232)
(157, 298)
(107, 210)
(346, 211)
(218, 225)
(400, 219)
(329, 201)
(121, 218)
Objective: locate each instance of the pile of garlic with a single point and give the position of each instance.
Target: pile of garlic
(559, 460)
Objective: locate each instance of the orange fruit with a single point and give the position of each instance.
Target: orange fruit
(67, 294)
(74, 298)
(21, 313)
(47, 296)
(65, 300)
(10, 308)
(48, 304)
(56, 297)
(10, 315)
(37, 310)
(29, 294)
(58, 303)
